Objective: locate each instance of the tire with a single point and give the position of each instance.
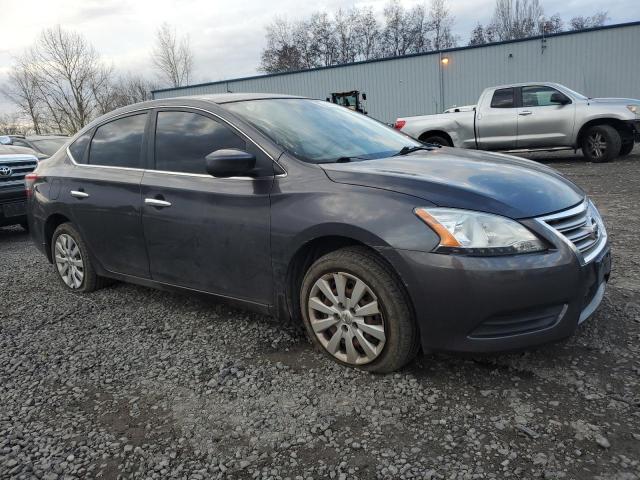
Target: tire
(387, 351)
(436, 140)
(90, 281)
(626, 149)
(601, 143)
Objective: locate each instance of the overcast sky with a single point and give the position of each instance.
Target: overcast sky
(227, 36)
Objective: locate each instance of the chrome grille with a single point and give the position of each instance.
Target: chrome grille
(17, 168)
(581, 226)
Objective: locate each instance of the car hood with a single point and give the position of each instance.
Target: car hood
(618, 101)
(458, 178)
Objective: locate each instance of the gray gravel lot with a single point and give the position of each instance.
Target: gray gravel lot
(133, 382)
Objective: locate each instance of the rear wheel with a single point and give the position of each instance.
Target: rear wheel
(435, 140)
(601, 143)
(357, 312)
(72, 261)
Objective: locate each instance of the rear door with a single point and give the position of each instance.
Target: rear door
(497, 120)
(543, 121)
(103, 191)
(209, 234)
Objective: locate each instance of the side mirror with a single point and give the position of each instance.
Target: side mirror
(558, 97)
(4, 140)
(230, 163)
(364, 96)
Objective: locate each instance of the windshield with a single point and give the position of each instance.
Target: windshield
(320, 132)
(574, 93)
(50, 145)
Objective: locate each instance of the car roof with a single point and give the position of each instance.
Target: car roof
(187, 101)
(524, 84)
(239, 97)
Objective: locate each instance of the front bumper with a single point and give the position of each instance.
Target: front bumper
(13, 203)
(474, 304)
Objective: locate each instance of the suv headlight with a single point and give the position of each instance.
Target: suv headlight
(634, 109)
(476, 233)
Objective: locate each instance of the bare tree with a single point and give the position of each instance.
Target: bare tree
(553, 24)
(325, 42)
(396, 35)
(440, 23)
(345, 29)
(60, 83)
(172, 56)
(596, 20)
(478, 36)
(22, 90)
(11, 124)
(368, 34)
(419, 28)
(133, 88)
(355, 34)
(513, 19)
(285, 45)
(65, 67)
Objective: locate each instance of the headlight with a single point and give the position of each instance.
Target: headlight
(476, 233)
(634, 108)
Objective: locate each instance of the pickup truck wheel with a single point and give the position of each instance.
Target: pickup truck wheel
(435, 140)
(601, 143)
(626, 149)
(357, 312)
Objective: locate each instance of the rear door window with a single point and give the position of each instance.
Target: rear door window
(503, 98)
(119, 142)
(184, 139)
(79, 147)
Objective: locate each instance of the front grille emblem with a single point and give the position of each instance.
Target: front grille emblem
(5, 172)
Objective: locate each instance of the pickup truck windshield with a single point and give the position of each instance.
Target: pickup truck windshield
(320, 132)
(575, 94)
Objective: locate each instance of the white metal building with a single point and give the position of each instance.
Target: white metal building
(598, 62)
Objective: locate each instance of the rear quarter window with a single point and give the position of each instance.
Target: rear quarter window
(503, 98)
(79, 147)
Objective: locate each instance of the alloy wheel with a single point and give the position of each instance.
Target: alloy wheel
(346, 318)
(597, 144)
(69, 261)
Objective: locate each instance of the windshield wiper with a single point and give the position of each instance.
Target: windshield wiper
(349, 159)
(427, 146)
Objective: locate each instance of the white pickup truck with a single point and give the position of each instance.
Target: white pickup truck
(534, 117)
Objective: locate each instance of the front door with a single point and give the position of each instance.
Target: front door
(205, 233)
(545, 119)
(104, 194)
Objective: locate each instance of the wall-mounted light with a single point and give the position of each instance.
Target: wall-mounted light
(444, 60)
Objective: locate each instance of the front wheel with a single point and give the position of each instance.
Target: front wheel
(601, 143)
(356, 311)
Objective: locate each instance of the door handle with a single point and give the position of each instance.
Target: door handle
(155, 202)
(525, 112)
(78, 194)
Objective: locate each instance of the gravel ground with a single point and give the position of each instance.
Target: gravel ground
(133, 382)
